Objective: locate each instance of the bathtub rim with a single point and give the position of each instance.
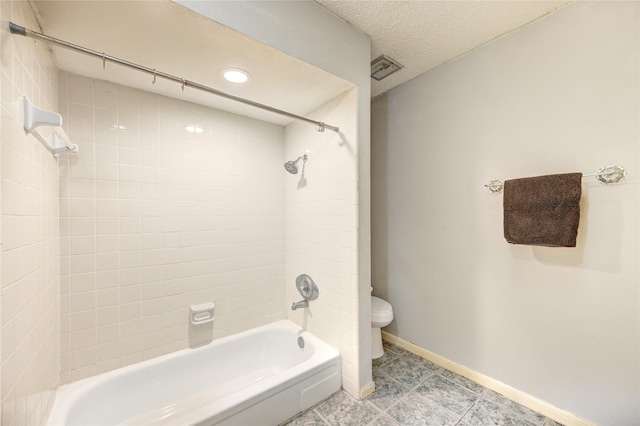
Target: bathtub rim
(68, 394)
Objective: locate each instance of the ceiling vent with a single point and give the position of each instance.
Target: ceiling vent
(383, 66)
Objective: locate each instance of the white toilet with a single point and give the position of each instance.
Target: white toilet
(381, 316)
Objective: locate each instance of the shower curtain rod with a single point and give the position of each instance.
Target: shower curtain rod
(17, 29)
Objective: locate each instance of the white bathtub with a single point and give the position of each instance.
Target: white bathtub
(258, 377)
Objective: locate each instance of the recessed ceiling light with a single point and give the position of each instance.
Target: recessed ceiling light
(235, 75)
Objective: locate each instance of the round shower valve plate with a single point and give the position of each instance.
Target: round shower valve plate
(307, 287)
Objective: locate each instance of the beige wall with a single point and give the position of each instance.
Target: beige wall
(559, 95)
(30, 321)
(155, 219)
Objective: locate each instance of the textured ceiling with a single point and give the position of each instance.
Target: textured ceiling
(424, 34)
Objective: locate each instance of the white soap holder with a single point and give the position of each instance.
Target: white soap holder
(202, 314)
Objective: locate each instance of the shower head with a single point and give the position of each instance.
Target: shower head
(292, 166)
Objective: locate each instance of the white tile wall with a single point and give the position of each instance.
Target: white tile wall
(155, 219)
(152, 219)
(29, 299)
(322, 229)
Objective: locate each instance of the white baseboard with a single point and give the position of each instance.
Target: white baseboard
(513, 394)
(367, 390)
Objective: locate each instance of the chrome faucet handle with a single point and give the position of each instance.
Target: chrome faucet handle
(307, 287)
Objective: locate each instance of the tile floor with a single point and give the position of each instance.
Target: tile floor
(413, 391)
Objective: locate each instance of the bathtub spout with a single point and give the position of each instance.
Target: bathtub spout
(300, 304)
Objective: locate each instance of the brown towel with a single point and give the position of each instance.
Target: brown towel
(543, 210)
